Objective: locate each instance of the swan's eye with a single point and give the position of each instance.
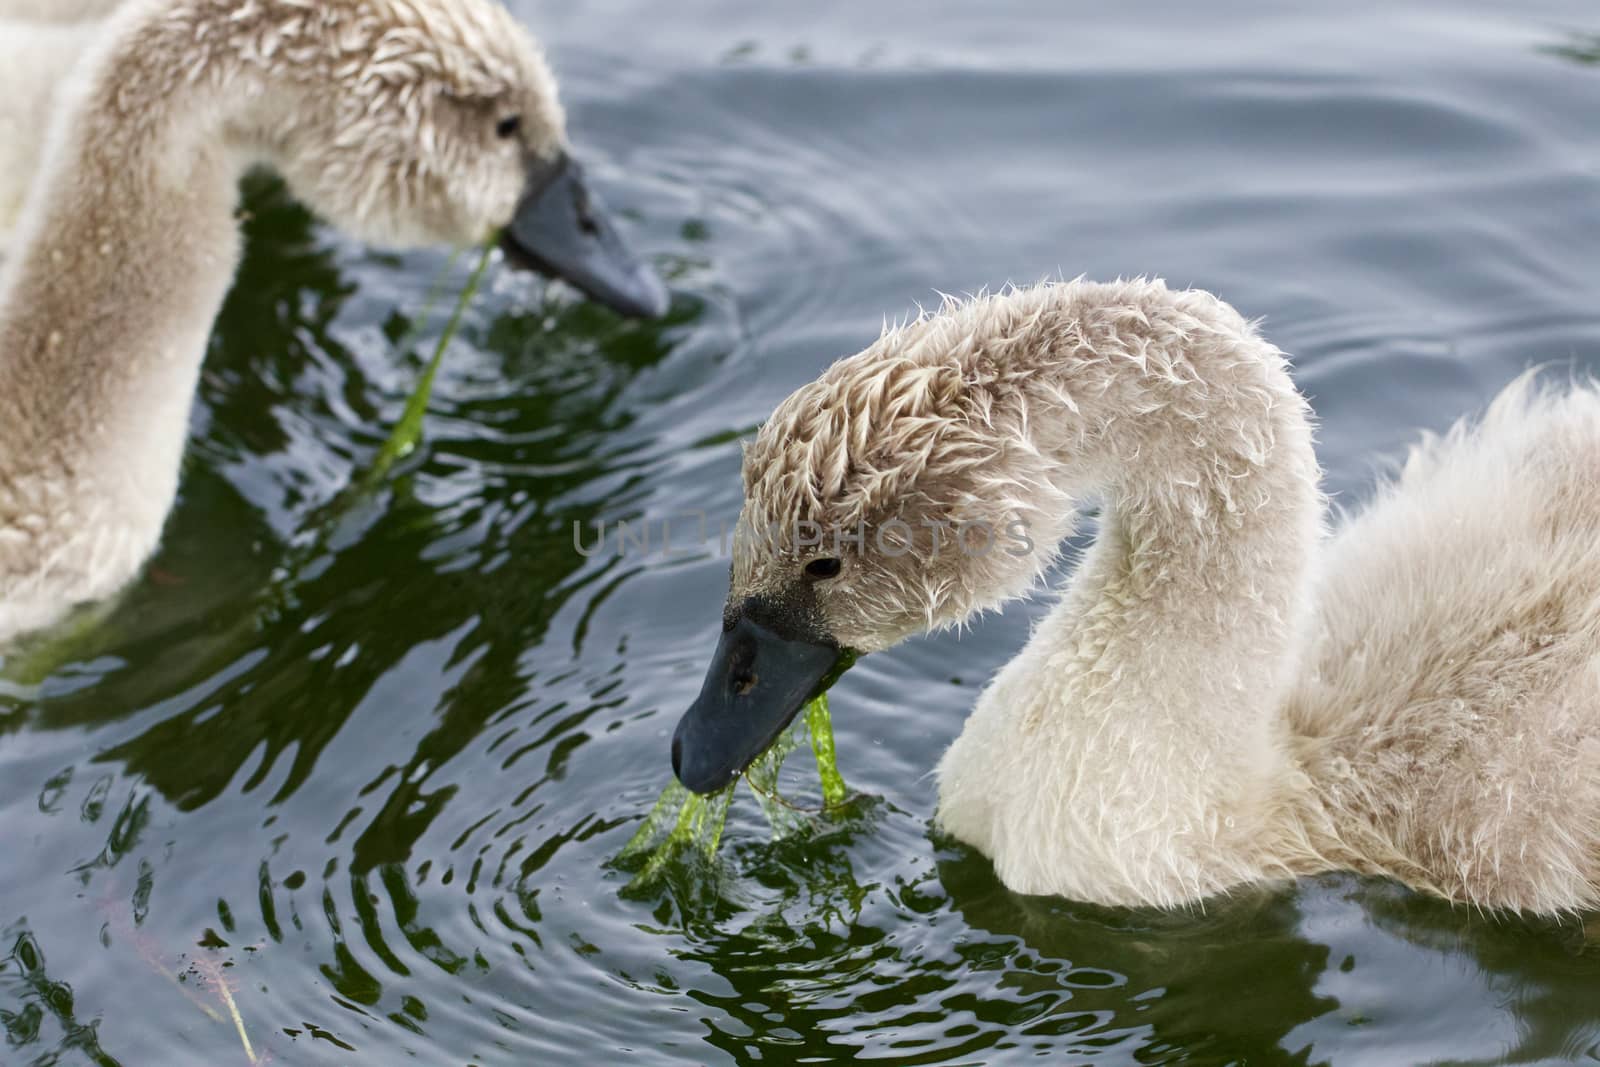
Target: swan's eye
(823, 569)
(509, 126)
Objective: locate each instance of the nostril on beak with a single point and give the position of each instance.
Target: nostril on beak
(677, 757)
(743, 683)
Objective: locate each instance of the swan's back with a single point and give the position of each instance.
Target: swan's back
(1449, 706)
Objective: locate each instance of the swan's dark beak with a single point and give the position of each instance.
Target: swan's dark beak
(768, 664)
(561, 229)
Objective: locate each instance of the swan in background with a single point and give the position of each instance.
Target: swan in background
(35, 59)
(1222, 695)
(404, 122)
(57, 10)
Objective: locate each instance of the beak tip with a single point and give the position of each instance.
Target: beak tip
(705, 787)
(560, 229)
(758, 681)
(651, 300)
(700, 776)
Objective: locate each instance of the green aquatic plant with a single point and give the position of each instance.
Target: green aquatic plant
(403, 439)
(683, 824)
(819, 720)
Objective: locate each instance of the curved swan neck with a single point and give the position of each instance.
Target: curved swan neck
(1174, 410)
(126, 251)
(1146, 704)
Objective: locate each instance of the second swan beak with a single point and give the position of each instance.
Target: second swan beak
(562, 230)
(763, 672)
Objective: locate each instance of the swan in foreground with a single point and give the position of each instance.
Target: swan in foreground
(404, 122)
(1222, 695)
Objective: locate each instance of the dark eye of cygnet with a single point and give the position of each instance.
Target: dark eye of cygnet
(823, 569)
(509, 126)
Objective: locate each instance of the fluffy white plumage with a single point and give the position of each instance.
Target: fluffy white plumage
(35, 59)
(1224, 694)
(56, 10)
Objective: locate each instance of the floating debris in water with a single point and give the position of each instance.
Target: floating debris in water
(686, 824)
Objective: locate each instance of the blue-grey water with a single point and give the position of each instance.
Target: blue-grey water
(370, 782)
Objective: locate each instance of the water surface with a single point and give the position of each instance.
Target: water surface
(371, 780)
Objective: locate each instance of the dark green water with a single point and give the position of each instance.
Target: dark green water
(372, 782)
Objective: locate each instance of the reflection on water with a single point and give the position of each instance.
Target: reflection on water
(43, 1012)
(361, 775)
